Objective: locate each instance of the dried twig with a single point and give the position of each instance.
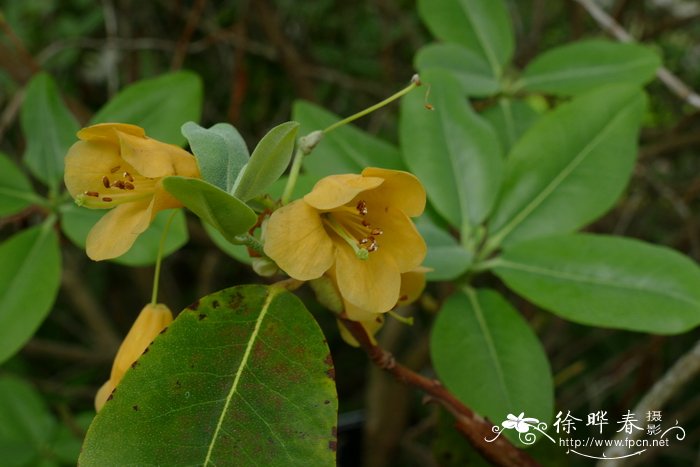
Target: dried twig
(475, 428)
(192, 21)
(671, 81)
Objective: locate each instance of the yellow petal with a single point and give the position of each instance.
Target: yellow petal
(114, 234)
(154, 159)
(371, 327)
(108, 132)
(372, 284)
(401, 190)
(296, 240)
(87, 162)
(336, 190)
(412, 285)
(103, 394)
(149, 323)
(400, 238)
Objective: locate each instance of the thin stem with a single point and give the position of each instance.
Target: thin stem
(415, 82)
(161, 247)
(293, 176)
(252, 243)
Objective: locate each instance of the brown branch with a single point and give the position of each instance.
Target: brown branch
(474, 427)
(192, 21)
(671, 81)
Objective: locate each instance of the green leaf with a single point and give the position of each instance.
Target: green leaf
(482, 26)
(76, 223)
(344, 150)
(220, 150)
(606, 281)
(454, 151)
(16, 192)
(487, 355)
(30, 273)
(237, 252)
(570, 167)
(269, 161)
(242, 376)
(159, 105)
(585, 65)
(510, 119)
(49, 130)
(471, 70)
(26, 425)
(446, 257)
(226, 213)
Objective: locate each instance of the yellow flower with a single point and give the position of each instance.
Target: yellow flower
(358, 225)
(412, 285)
(150, 322)
(116, 166)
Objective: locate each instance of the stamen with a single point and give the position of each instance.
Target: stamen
(373, 247)
(401, 319)
(377, 231)
(119, 184)
(128, 176)
(105, 181)
(361, 253)
(129, 186)
(106, 199)
(92, 193)
(365, 223)
(361, 207)
(115, 169)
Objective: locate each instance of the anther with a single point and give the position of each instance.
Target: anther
(128, 176)
(119, 184)
(373, 247)
(92, 193)
(365, 223)
(361, 207)
(364, 241)
(403, 298)
(106, 199)
(129, 186)
(115, 169)
(105, 181)
(377, 231)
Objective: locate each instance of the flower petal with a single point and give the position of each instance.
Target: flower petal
(400, 238)
(152, 158)
(297, 241)
(371, 327)
(87, 162)
(108, 132)
(336, 190)
(372, 284)
(117, 231)
(412, 285)
(400, 189)
(103, 394)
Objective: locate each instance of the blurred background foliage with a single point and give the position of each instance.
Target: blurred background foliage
(255, 59)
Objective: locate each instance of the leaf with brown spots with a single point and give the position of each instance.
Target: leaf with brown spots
(250, 383)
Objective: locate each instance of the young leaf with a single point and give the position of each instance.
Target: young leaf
(242, 376)
(16, 192)
(487, 355)
(510, 119)
(344, 150)
(159, 105)
(606, 281)
(454, 151)
(570, 167)
(220, 150)
(585, 65)
(76, 222)
(49, 129)
(226, 213)
(482, 26)
(269, 161)
(30, 273)
(446, 258)
(471, 70)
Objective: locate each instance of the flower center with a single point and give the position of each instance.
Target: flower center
(119, 187)
(352, 226)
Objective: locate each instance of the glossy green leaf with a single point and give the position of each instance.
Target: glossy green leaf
(220, 151)
(471, 70)
(487, 355)
(454, 151)
(446, 258)
(242, 377)
(16, 192)
(511, 119)
(49, 129)
(585, 65)
(482, 26)
(76, 222)
(344, 150)
(160, 105)
(606, 281)
(30, 273)
(227, 214)
(570, 167)
(268, 162)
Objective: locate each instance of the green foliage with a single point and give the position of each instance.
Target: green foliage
(241, 374)
(49, 128)
(30, 273)
(446, 258)
(160, 105)
(606, 281)
(16, 192)
(502, 366)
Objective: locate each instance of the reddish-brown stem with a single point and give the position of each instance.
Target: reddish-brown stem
(474, 427)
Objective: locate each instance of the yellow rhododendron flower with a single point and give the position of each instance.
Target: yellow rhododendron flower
(412, 285)
(116, 166)
(358, 225)
(150, 322)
